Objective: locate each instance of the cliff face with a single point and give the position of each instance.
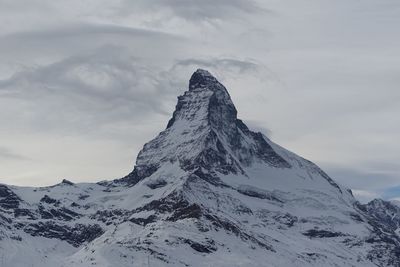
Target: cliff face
(207, 191)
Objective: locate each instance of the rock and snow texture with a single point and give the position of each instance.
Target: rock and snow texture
(207, 191)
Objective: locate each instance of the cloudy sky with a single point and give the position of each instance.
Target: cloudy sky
(85, 83)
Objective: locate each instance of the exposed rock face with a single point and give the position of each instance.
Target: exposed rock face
(207, 191)
(204, 132)
(8, 199)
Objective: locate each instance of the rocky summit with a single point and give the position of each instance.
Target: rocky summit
(207, 191)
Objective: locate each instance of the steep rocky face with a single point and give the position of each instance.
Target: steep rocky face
(8, 199)
(207, 191)
(384, 212)
(204, 132)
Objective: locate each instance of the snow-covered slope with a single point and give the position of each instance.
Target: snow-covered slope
(207, 191)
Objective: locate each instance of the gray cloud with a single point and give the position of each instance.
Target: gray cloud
(363, 179)
(196, 11)
(369, 181)
(258, 126)
(109, 86)
(226, 64)
(7, 154)
(28, 49)
(105, 86)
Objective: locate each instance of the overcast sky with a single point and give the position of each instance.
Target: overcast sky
(85, 83)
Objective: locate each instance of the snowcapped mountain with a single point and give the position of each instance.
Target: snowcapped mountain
(207, 191)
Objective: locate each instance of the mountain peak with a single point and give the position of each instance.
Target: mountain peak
(207, 100)
(202, 78)
(204, 132)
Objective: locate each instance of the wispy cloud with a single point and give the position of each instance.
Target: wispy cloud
(105, 87)
(195, 11)
(7, 154)
(220, 64)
